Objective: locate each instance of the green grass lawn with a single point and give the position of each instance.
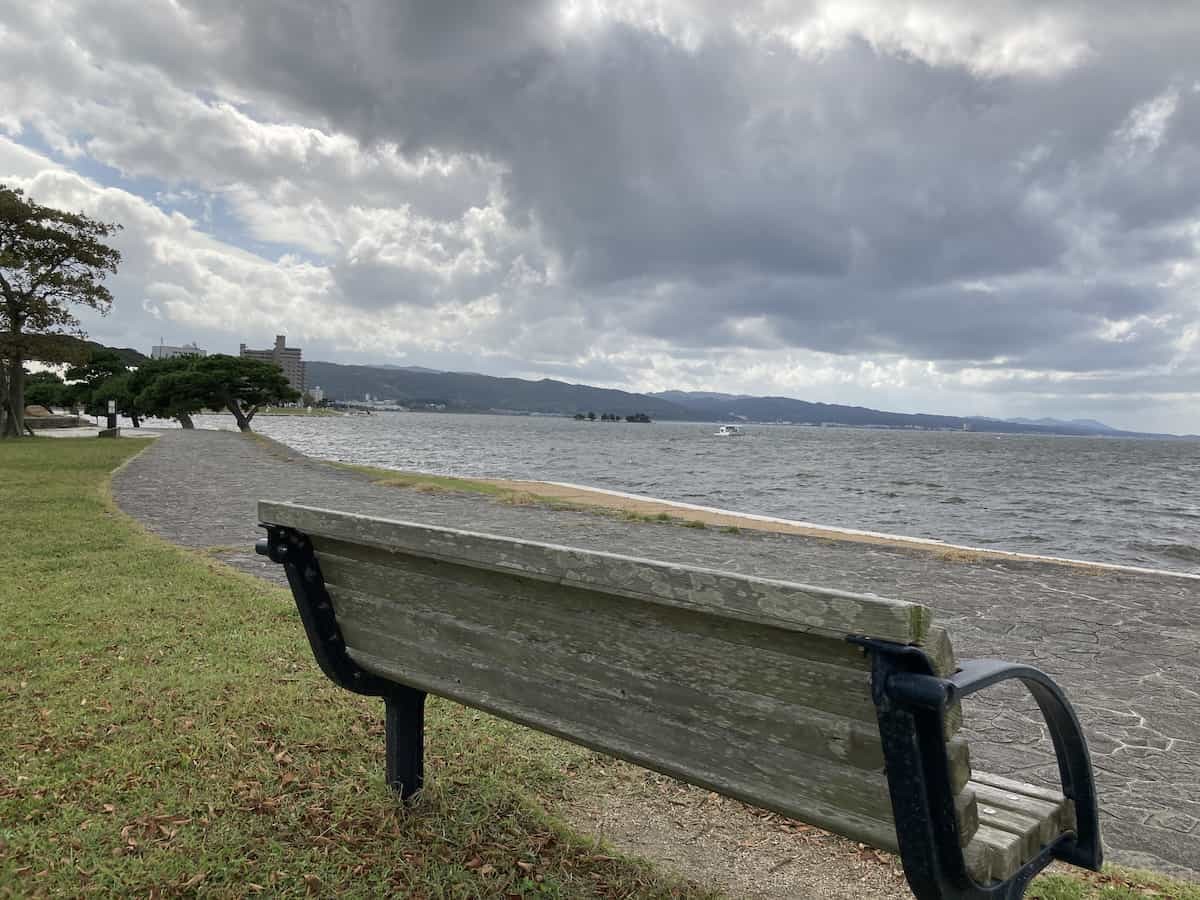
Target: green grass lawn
(166, 733)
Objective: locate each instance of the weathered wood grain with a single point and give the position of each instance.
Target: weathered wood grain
(670, 681)
(713, 653)
(592, 628)
(784, 604)
(1052, 819)
(1015, 822)
(846, 800)
(966, 808)
(937, 647)
(1048, 795)
(411, 579)
(993, 854)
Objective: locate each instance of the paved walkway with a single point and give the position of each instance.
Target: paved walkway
(1126, 647)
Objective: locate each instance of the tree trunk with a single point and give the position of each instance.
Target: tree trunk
(185, 421)
(135, 419)
(14, 422)
(243, 421)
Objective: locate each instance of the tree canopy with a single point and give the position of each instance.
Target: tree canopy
(169, 389)
(50, 260)
(45, 389)
(243, 385)
(178, 388)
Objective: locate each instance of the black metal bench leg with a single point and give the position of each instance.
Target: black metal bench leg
(405, 729)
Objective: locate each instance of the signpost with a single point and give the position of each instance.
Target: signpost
(112, 430)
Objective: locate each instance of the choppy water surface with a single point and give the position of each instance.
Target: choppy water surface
(1123, 501)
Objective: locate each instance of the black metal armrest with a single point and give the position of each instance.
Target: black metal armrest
(1070, 746)
(911, 702)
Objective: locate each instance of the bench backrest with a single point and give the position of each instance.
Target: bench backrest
(743, 685)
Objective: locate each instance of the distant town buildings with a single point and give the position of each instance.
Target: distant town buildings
(316, 393)
(167, 351)
(287, 358)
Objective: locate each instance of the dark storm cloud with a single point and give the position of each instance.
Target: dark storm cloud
(724, 189)
(862, 185)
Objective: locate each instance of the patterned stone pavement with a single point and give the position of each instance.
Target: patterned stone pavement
(1125, 646)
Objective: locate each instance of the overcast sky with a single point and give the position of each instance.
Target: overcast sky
(984, 208)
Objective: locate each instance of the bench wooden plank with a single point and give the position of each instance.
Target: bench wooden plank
(712, 652)
(668, 679)
(770, 601)
(1015, 822)
(824, 732)
(564, 609)
(506, 679)
(839, 798)
(993, 854)
(937, 647)
(966, 808)
(583, 623)
(1049, 795)
(1053, 818)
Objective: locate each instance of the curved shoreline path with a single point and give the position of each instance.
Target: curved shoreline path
(1124, 645)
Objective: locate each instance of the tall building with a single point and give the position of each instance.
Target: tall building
(167, 351)
(287, 358)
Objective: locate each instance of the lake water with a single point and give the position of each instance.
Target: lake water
(1112, 500)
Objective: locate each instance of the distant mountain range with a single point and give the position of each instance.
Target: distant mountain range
(469, 392)
(1088, 424)
(417, 387)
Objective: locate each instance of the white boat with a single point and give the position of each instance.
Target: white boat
(729, 431)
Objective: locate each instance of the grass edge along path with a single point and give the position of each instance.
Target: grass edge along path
(167, 733)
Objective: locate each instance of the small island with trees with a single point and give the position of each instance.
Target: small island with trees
(611, 417)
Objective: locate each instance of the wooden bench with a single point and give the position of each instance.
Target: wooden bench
(837, 709)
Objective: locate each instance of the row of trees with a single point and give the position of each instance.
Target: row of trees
(52, 260)
(175, 388)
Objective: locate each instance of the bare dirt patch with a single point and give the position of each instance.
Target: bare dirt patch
(738, 850)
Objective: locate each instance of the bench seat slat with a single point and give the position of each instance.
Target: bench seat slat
(1015, 822)
(1052, 818)
(1020, 788)
(770, 601)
